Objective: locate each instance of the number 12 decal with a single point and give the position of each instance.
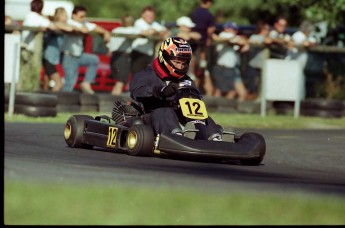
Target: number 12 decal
(112, 132)
(193, 108)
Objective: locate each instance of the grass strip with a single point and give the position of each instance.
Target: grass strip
(67, 204)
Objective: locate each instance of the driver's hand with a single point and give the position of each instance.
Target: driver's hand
(170, 89)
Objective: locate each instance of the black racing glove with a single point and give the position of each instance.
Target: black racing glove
(166, 91)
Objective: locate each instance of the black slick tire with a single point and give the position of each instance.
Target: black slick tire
(140, 139)
(260, 145)
(74, 130)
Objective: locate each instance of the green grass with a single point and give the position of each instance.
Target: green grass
(57, 204)
(226, 120)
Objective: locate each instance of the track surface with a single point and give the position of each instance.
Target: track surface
(308, 161)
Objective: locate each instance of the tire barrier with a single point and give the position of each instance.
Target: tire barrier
(70, 108)
(35, 111)
(283, 107)
(68, 102)
(106, 102)
(322, 104)
(222, 104)
(322, 113)
(248, 107)
(313, 107)
(49, 104)
(68, 98)
(322, 108)
(88, 103)
(33, 104)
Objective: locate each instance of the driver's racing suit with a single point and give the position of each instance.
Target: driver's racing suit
(161, 117)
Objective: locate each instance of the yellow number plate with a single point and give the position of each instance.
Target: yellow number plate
(112, 132)
(193, 108)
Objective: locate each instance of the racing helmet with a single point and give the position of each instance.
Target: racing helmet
(175, 48)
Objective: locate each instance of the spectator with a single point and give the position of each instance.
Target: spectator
(184, 30)
(226, 72)
(205, 25)
(120, 49)
(302, 39)
(74, 55)
(204, 22)
(52, 49)
(258, 53)
(281, 40)
(35, 19)
(29, 62)
(143, 48)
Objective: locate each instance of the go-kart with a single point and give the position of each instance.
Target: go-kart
(126, 132)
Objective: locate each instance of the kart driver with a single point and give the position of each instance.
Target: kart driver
(159, 81)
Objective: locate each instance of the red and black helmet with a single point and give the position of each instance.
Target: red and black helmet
(175, 48)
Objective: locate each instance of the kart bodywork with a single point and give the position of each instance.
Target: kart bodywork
(126, 132)
(138, 139)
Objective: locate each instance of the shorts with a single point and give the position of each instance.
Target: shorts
(120, 64)
(49, 68)
(224, 78)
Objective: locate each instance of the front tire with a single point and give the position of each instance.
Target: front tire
(140, 139)
(74, 131)
(258, 143)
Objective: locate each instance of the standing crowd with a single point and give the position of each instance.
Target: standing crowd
(215, 66)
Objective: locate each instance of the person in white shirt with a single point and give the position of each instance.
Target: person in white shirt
(35, 19)
(143, 48)
(74, 55)
(257, 55)
(30, 55)
(302, 39)
(120, 49)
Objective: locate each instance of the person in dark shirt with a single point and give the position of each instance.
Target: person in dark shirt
(159, 81)
(204, 24)
(204, 21)
(281, 40)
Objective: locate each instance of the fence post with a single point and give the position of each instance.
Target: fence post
(31, 65)
(12, 42)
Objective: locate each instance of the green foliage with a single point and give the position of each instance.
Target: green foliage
(241, 11)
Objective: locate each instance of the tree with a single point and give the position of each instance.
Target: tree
(241, 11)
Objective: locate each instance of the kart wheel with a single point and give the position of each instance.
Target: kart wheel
(260, 145)
(140, 140)
(74, 130)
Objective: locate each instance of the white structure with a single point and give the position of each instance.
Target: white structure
(282, 80)
(18, 9)
(12, 65)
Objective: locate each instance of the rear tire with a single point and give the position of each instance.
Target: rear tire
(74, 131)
(140, 139)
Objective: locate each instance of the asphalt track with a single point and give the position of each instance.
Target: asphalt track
(306, 161)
